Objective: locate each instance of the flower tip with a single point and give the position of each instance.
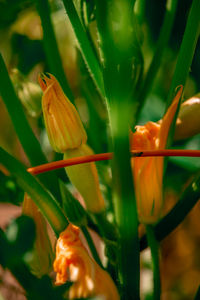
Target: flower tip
(45, 80)
(179, 89)
(42, 82)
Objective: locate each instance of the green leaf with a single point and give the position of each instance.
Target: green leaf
(72, 207)
(154, 247)
(85, 46)
(10, 9)
(178, 213)
(35, 288)
(43, 199)
(24, 132)
(27, 138)
(197, 296)
(162, 42)
(51, 48)
(187, 49)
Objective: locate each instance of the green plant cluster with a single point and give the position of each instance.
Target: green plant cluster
(121, 59)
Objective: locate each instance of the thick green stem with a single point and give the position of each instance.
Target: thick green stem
(125, 206)
(187, 49)
(51, 48)
(91, 245)
(119, 50)
(154, 246)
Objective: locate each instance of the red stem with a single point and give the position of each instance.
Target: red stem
(106, 156)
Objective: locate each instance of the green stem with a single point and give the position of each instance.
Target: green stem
(108, 231)
(197, 296)
(153, 244)
(166, 225)
(187, 49)
(184, 60)
(118, 45)
(85, 47)
(159, 51)
(44, 200)
(140, 10)
(91, 245)
(51, 48)
(24, 132)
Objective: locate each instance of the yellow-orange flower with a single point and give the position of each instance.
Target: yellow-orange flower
(64, 127)
(41, 262)
(67, 135)
(74, 263)
(148, 171)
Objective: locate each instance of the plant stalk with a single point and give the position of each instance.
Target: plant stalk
(154, 246)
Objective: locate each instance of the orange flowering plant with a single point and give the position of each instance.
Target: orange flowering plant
(148, 172)
(83, 224)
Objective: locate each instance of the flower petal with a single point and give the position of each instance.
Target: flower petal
(167, 120)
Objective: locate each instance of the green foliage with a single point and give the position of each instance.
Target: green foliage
(85, 46)
(72, 207)
(50, 46)
(9, 190)
(12, 255)
(10, 9)
(125, 62)
(43, 199)
(26, 136)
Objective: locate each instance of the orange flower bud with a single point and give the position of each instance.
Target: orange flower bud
(62, 121)
(41, 261)
(188, 123)
(74, 263)
(85, 178)
(148, 171)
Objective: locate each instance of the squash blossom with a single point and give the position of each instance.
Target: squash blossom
(41, 262)
(74, 263)
(63, 124)
(67, 135)
(148, 171)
